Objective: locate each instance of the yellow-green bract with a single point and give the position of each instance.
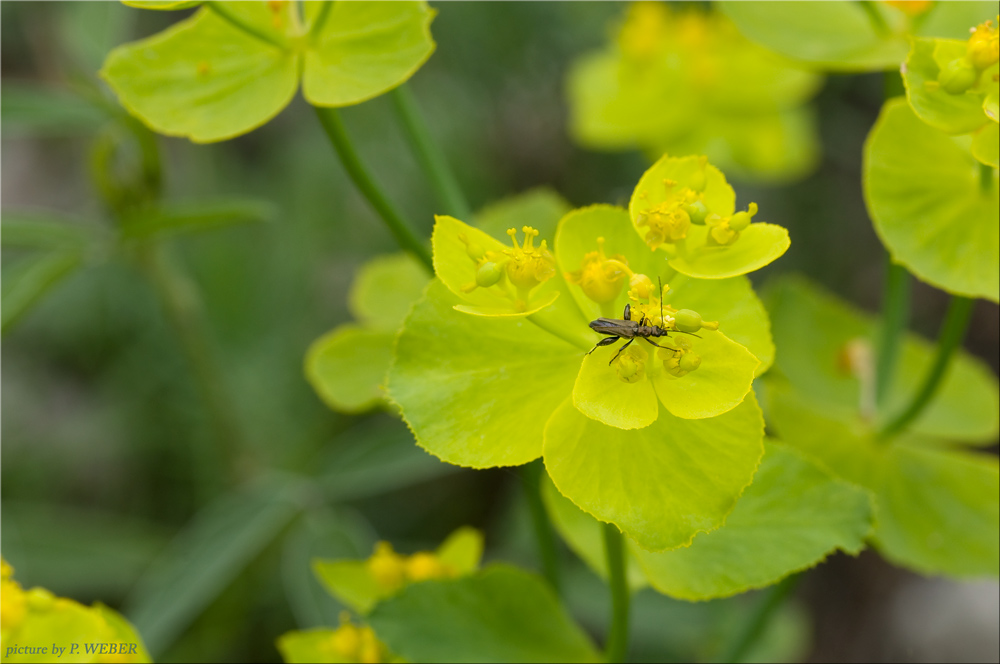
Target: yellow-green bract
(208, 80)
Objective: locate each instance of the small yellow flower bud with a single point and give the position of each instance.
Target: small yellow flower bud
(386, 566)
(640, 287)
(983, 50)
(688, 362)
(423, 566)
(679, 360)
(13, 605)
(40, 599)
(958, 76)
(346, 641)
(529, 266)
(370, 651)
(600, 277)
(686, 320)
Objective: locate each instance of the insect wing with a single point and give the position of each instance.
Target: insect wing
(619, 328)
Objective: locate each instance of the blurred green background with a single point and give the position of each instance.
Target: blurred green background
(107, 450)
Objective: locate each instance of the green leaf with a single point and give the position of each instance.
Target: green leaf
(925, 196)
(25, 282)
(308, 646)
(196, 216)
(951, 113)
(837, 36)
(936, 510)
(347, 367)
(365, 49)
(499, 615)
(44, 230)
(203, 79)
(985, 144)
(385, 288)
(585, 535)
(812, 330)
(759, 245)
(791, 517)
(31, 110)
(496, 381)
(205, 557)
(662, 484)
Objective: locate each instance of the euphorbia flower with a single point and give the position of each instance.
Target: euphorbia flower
(510, 386)
(683, 80)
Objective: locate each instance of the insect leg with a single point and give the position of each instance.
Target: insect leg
(626, 345)
(646, 339)
(604, 342)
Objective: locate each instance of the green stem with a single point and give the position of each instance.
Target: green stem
(579, 338)
(182, 306)
(754, 627)
(616, 648)
(895, 313)
(405, 237)
(875, 18)
(320, 21)
(225, 13)
(430, 156)
(531, 474)
(986, 178)
(956, 321)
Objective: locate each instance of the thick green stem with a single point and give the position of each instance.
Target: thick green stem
(895, 314)
(182, 307)
(758, 619)
(431, 158)
(405, 237)
(956, 321)
(226, 13)
(531, 475)
(616, 648)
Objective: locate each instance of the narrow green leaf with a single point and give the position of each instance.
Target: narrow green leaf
(205, 558)
(365, 49)
(196, 216)
(501, 614)
(44, 230)
(203, 79)
(31, 110)
(924, 194)
(26, 281)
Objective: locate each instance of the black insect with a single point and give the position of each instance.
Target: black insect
(625, 329)
(628, 329)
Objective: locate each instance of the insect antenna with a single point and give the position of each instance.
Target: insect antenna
(659, 284)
